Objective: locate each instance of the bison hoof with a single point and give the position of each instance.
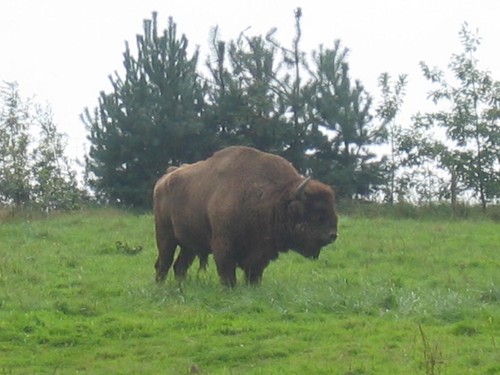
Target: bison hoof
(160, 279)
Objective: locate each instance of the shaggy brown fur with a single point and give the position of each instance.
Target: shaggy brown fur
(186, 256)
(244, 206)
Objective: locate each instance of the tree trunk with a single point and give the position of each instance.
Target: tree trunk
(453, 189)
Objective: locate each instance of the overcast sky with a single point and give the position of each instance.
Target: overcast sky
(62, 51)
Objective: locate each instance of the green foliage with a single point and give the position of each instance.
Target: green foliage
(150, 120)
(163, 113)
(389, 297)
(470, 152)
(34, 172)
(262, 94)
(244, 104)
(343, 109)
(14, 143)
(392, 99)
(433, 357)
(55, 186)
(427, 211)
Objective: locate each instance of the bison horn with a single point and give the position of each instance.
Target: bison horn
(300, 189)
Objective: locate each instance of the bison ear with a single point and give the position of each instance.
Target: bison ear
(299, 192)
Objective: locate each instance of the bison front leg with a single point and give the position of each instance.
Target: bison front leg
(254, 271)
(166, 244)
(182, 263)
(253, 276)
(203, 262)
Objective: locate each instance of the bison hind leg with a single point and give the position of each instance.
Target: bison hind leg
(226, 265)
(226, 268)
(164, 260)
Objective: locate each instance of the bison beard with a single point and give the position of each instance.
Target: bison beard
(245, 207)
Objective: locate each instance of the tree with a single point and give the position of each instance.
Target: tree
(34, 171)
(54, 181)
(342, 109)
(387, 111)
(471, 152)
(293, 96)
(162, 112)
(256, 98)
(243, 101)
(153, 118)
(14, 142)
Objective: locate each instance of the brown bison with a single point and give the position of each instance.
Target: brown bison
(245, 207)
(186, 257)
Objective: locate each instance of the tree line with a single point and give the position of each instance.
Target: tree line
(167, 108)
(305, 107)
(258, 93)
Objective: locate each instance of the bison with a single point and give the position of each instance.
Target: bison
(186, 257)
(244, 206)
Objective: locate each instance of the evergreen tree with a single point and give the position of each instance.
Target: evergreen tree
(153, 118)
(225, 96)
(157, 115)
(293, 96)
(244, 102)
(258, 99)
(343, 110)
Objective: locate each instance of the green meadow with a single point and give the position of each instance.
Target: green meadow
(77, 296)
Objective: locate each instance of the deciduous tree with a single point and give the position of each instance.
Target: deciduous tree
(14, 147)
(392, 99)
(54, 183)
(470, 152)
(34, 171)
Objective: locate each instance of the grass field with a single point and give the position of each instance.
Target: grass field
(77, 296)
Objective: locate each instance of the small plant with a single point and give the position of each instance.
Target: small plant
(433, 356)
(120, 247)
(125, 248)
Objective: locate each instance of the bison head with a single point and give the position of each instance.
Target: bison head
(312, 216)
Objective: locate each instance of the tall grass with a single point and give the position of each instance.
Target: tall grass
(431, 211)
(390, 296)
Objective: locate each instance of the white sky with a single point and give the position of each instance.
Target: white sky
(62, 51)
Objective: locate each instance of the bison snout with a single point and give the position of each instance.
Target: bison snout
(332, 237)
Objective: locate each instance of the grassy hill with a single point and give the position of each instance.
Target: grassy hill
(77, 296)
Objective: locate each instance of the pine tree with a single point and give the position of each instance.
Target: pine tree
(257, 95)
(152, 119)
(343, 110)
(293, 96)
(243, 99)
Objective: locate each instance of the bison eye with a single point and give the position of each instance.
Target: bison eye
(317, 217)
